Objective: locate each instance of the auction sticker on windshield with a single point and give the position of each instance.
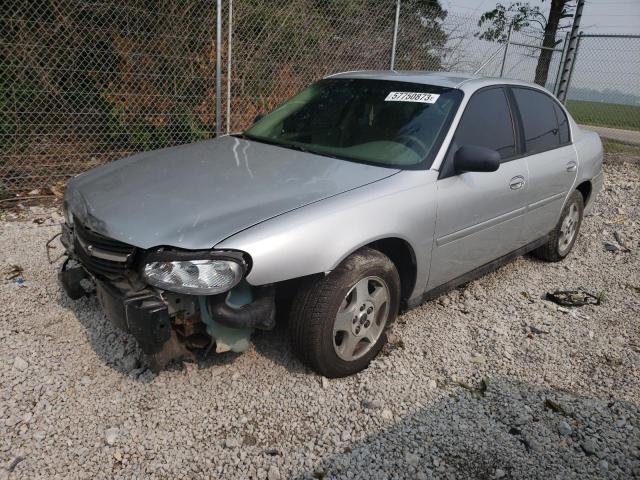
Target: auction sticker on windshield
(412, 97)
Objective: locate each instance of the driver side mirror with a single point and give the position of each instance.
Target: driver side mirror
(471, 158)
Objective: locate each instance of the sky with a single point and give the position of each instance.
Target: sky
(599, 16)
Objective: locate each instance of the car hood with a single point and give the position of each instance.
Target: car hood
(194, 196)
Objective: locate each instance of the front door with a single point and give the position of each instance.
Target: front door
(480, 215)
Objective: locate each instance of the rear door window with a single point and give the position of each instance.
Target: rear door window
(539, 121)
(486, 122)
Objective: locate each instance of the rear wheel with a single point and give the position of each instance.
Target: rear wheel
(564, 235)
(338, 322)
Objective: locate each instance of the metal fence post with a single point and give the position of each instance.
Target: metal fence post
(571, 67)
(569, 60)
(563, 55)
(506, 49)
(218, 69)
(395, 35)
(229, 67)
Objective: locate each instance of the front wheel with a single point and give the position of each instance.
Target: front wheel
(564, 235)
(338, 322)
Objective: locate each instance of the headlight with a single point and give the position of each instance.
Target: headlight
(194, 277)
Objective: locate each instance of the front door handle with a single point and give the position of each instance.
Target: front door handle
(572, 166)
(516, 182)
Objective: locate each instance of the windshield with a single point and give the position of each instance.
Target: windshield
(395, 124)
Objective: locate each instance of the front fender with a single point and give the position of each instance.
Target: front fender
(316, 238)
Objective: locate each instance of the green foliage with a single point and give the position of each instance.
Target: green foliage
(495, 25)
(422, 40)
(279, 52)
(4, 192)
(82, 84)
(605, 114)
(496, 22)
(611, 146)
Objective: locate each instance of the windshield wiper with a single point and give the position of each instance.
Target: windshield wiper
(244, 136)
(290, 146)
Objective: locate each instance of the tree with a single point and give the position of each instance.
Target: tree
(280, 49)
(520, 15)
(421, 38)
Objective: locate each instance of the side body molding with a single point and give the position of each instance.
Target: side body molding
(316, 238)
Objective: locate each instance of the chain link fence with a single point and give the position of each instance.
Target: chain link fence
(84, 82)
(298, 43)
(279, 47)
(605, 82)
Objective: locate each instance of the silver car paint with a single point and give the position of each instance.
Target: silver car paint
(298, 220)
(194, 196)
(318, 237)
(322, 237)
(553, 174)
(480, 218)
(589, 153)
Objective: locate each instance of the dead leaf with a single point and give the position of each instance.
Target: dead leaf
(14, 271)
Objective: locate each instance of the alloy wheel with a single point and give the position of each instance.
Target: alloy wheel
(361, 318)
(568, 229)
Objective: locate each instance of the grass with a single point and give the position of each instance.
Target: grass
(612, 115)
(611, 146)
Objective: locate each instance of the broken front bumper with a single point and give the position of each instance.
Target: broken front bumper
(143, 314)
(169, 326)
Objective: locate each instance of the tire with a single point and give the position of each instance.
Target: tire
(559, 244)
(326, 314)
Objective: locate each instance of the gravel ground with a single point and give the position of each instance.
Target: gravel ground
(466, 390)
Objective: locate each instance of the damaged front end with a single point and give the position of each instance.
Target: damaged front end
(176, 303)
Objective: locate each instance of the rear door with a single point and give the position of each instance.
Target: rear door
(480, 215)
(551, 158)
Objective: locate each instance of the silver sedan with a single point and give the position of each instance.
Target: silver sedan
(365, 194)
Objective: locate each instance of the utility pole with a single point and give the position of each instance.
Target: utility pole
(230, 21)
(570, 57)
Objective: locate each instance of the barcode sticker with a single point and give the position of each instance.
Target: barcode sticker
(412, 97)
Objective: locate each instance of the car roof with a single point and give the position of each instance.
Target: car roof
(440, 79)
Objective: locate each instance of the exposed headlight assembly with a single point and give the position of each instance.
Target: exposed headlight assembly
(193, 273)
(68, 217)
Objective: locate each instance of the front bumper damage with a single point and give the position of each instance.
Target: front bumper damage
(167, 326)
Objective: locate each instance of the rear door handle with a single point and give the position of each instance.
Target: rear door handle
(516, 182)
(572, 166)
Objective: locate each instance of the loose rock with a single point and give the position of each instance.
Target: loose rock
(20, 364)
(111, 435)
(412, 459)
(589, 447)
(386, 414)
(564, 428)
(262, 413)
(274, 473)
